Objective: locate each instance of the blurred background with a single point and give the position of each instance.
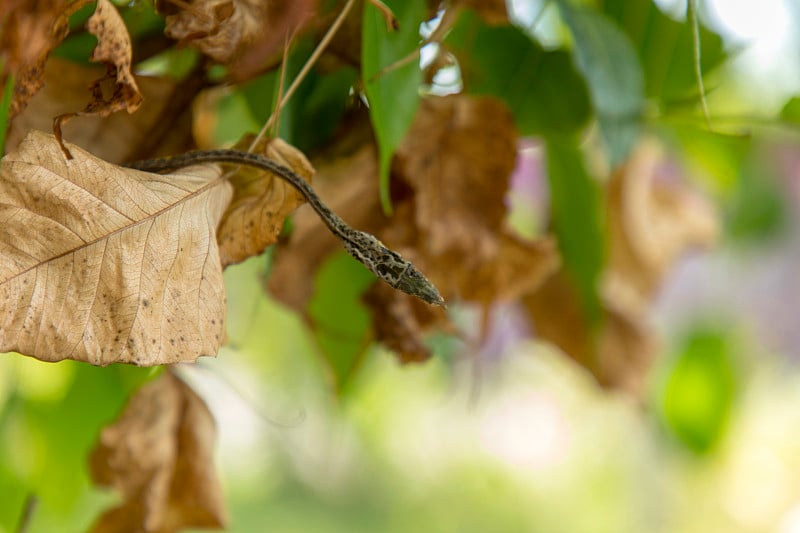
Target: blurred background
(506, 433)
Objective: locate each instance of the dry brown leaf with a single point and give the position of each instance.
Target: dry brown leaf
(114, 49)
(654, 218)
(492, 11)
(29, 32)
(240, 32)
(400, 322)
(159, 457)
(458, 157)
(103, 264)
(618, 354)
(116, 138)
(261, 203)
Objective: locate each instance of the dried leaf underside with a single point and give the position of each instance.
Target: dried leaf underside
(103, 264)
(260, 203)
(115, 51)
(240, 33)
(159, 456)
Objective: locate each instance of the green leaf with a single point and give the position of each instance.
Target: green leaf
(665, 48)
(608, 62)
(340, 321)
(320, 99)
(542, 89)
(699, 389)
(790, 112)
(718, 156)
(759, 208)
(51, 422)
(575, 200)
(5, 105)
(394, 96)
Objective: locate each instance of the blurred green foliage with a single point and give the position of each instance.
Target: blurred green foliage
(50, 418)
(577, 219)
(608, 62)
(699, 390)
(393, 94)
(341, 323)
(541, 88)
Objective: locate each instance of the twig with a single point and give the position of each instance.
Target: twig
(388, 16)
(692, 9)
(27, 513)
(304, 71)
(448, 19)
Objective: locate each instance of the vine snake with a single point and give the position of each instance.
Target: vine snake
(386, 264)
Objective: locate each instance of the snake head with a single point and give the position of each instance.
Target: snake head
(390, 266)
(413, 282)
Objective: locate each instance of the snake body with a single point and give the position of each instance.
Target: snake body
(386, 264)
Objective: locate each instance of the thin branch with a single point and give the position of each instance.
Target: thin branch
(305, 70)
(698, 72)
(388, 16)
(27, 513)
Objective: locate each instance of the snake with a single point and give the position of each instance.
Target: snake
(379, 259)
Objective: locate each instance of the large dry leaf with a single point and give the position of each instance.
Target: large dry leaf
(114, 49)
(103, 264)
(261, 203)
(159, 456)
(458, 156)
(29, 32)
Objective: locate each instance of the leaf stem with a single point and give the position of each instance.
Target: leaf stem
(304, 71)
(698, 72)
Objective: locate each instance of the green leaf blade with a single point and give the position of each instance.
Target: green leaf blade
(542, 88)
(577, 217)
(608, 62)
(393, 96)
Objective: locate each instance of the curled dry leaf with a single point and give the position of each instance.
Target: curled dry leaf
(114, 49)
(159, 457)
(242, 33)
(400, 322)
(618, 354)
(104, 264)
(115, 138)
(29, 31)
(458, 157)
(653, 220)
(260, 203)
